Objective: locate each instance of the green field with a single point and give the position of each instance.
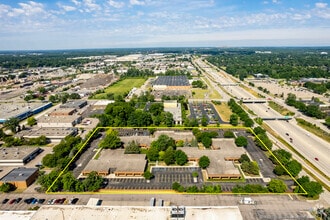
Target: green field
(121, 87)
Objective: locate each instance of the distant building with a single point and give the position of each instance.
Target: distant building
(21, 177)
(174, 107)
(53, 134)
(59, 121)
(171, 86)
(18, 156)
(77, 104)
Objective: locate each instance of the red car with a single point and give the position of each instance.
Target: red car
(12, 201)
(317, 159)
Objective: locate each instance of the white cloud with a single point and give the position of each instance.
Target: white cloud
(4, 9)
(276, 1)
(28, 9)
(321, 5)
(77, 3)
(136, 2)
(91, 6)
(66, 7)
(116, 4)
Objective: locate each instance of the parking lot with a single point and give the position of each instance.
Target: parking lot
(164, 177)
(200, 110)
(27, 201)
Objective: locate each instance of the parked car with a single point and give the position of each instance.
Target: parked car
(73, 201)
(18, 200)
(28, 201)
(5, 201)
(41, 201)
(12, 201)
(34, 201)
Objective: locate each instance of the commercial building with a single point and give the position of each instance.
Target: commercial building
(53, 134)
(137, 212)
(171, 86)
(77, 104)
(21, 110)
(174, 108)
(222, 158)
(118, 163)
(58, 121)
(18, 156)
(21, 177)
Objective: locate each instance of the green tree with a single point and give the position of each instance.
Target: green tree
(294, 167)
(31, 121)
(279, 170)
(169, 156)
(12, 124)
(250, 167)
(233, 119)
(7, 187)
(206, 141)
(111, 140)
(152, 153)
(204, 162)
(327, 121)
(276, 186)
(244, 157)
(69, 182)
(132, 148)
(241, 141)
(228, 134)
(148, 175)
(282, 155)
(163, 142)
(204, 121)
(93, 182)
(181, 157)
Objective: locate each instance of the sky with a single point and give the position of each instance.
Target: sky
(80, 24)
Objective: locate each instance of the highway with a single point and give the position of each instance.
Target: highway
(307, 144)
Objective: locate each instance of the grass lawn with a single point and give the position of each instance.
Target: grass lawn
(209, 93)
(121, 87)
(251, 91)
(224, 111)
(280, 109)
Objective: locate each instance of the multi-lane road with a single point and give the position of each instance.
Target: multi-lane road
(314, 149)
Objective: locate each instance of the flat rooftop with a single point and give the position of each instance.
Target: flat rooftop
(172, 81)
(19, 174)
(130, 212)
(58, 119)
(47, 131)
(118, 161)
(12, 109)
(218, 164)
(15, 153)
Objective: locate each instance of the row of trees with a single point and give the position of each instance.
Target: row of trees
(164, 149)
(63, 152)
(204, 137)
(274, 186)
(199, 84)
(239, 113)
(262, 140)
(284, 157)
(280, 64)
(122, 114)
(318, 88)
(67, 182)
(194, 189)
(312, 110)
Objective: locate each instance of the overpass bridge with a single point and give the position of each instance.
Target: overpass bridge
(228, 84)
(254, 100)
(286, 118)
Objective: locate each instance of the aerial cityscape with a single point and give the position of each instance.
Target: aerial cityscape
(147, 109)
